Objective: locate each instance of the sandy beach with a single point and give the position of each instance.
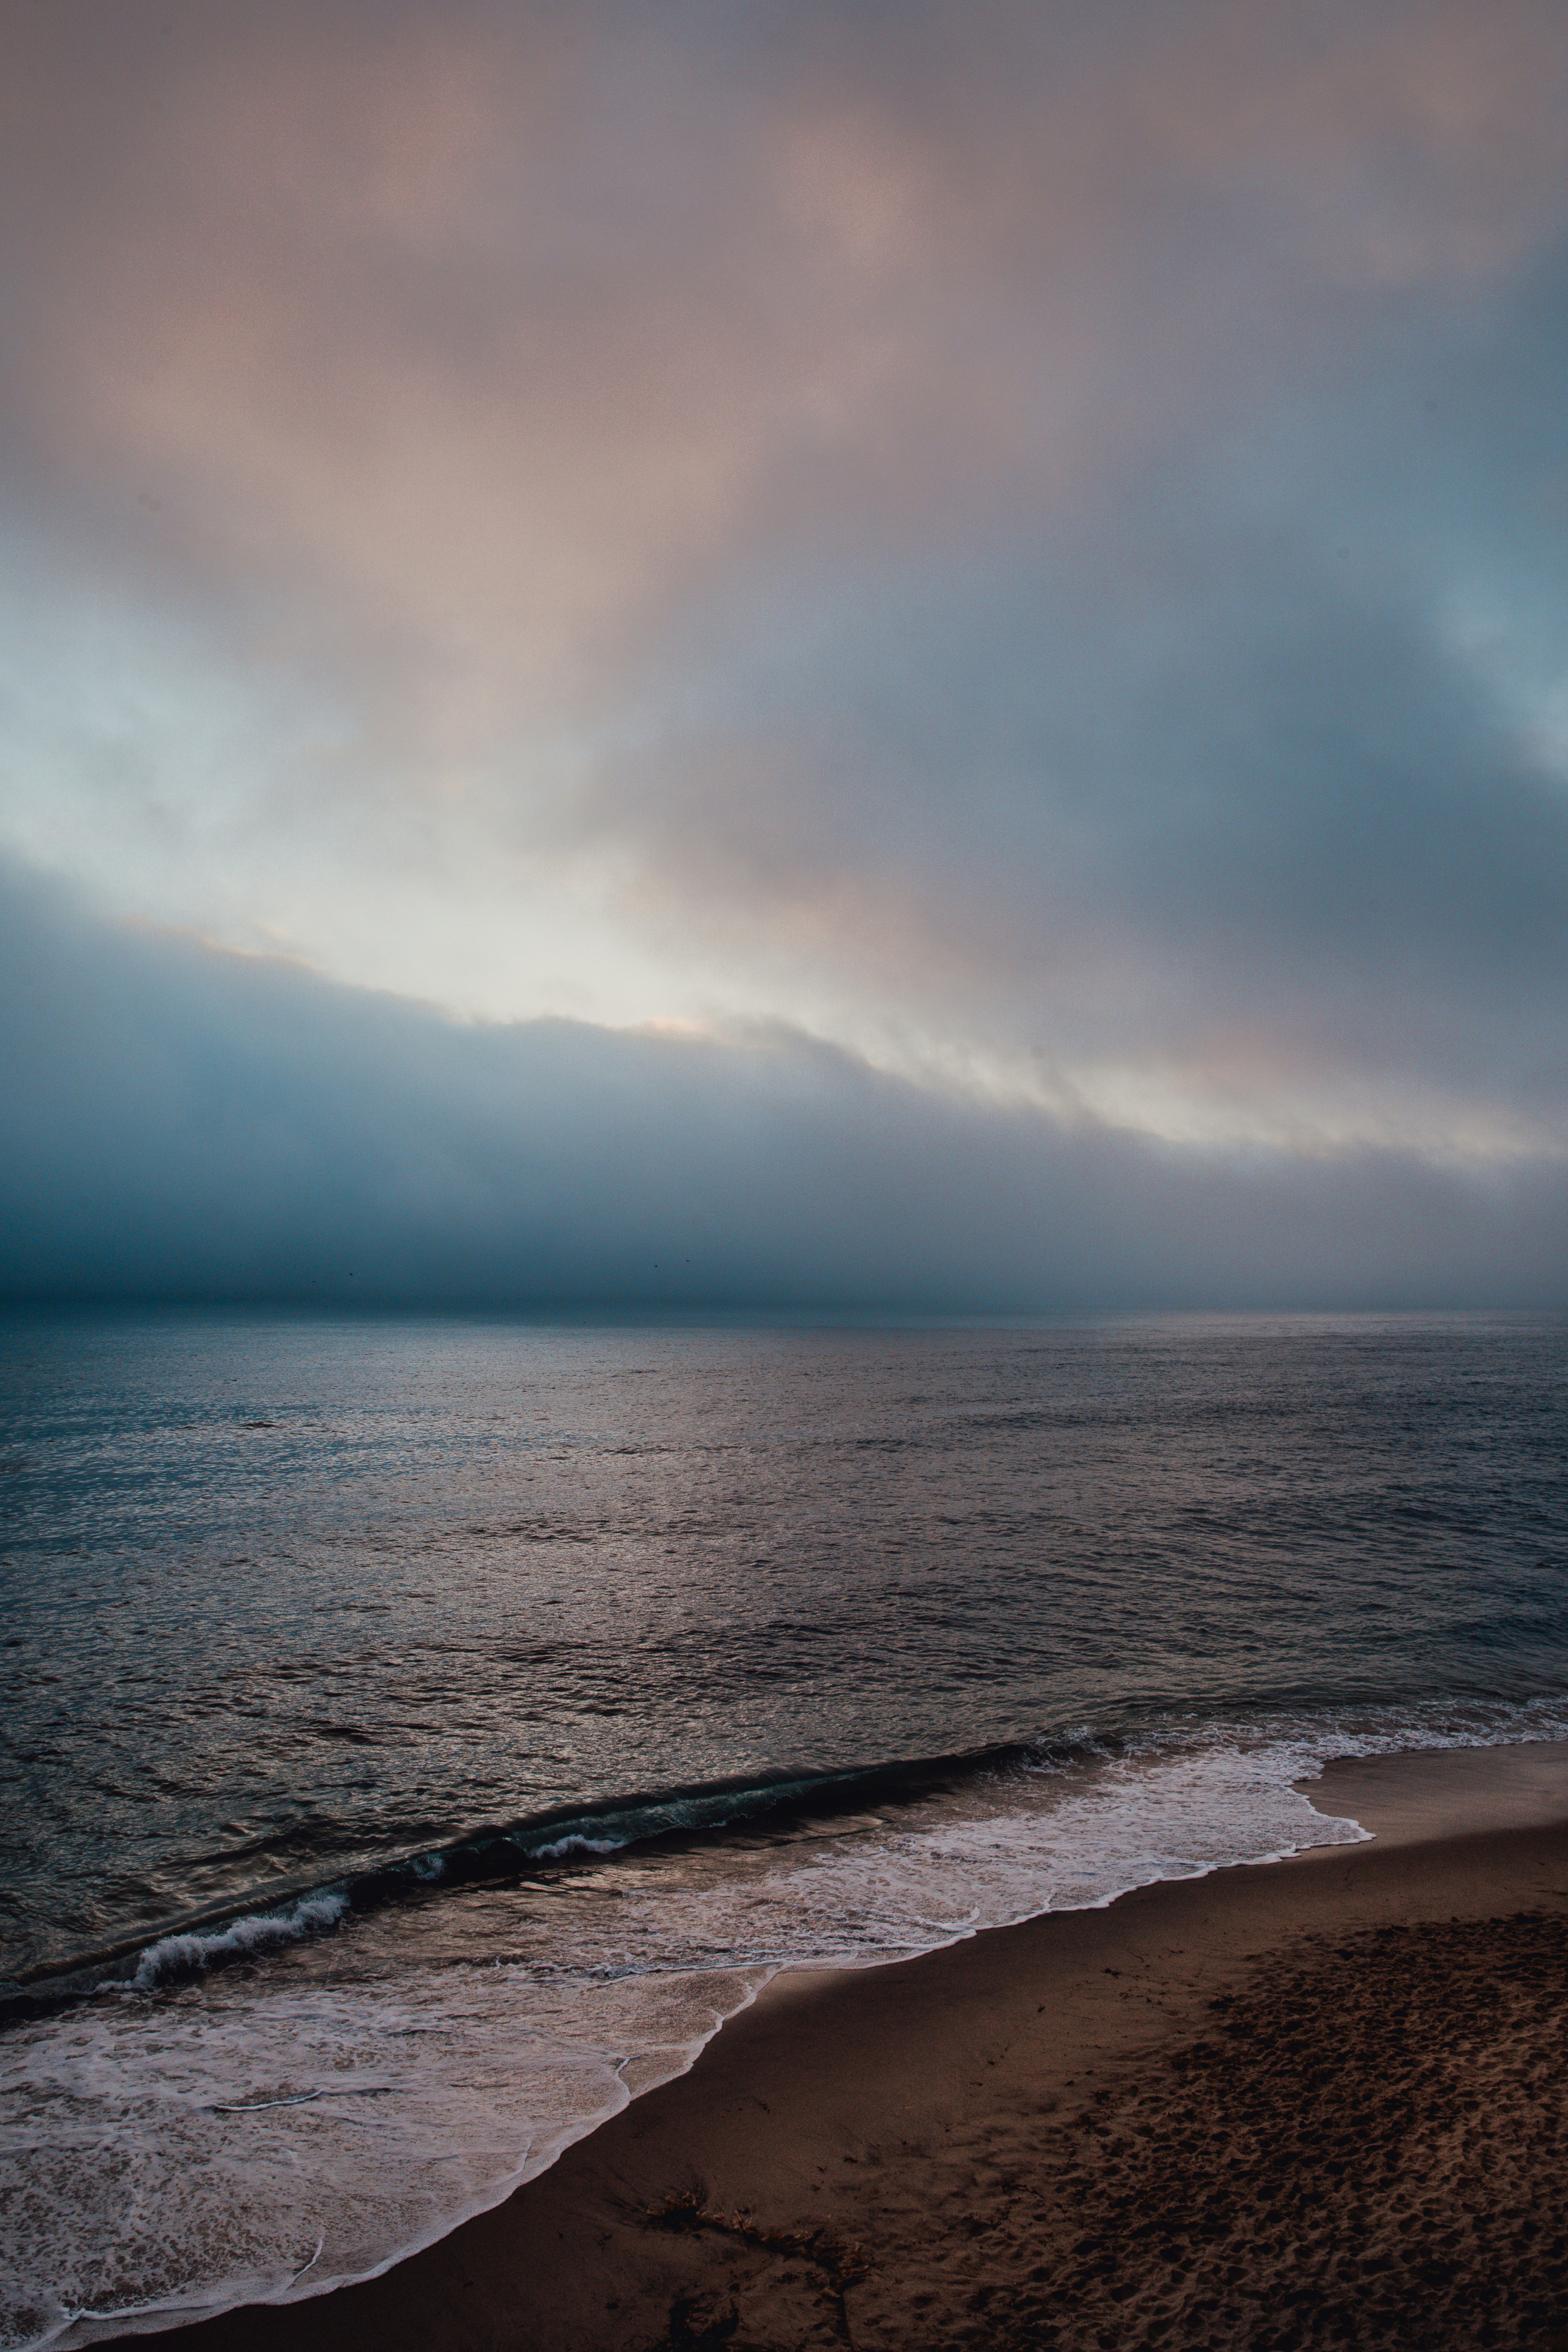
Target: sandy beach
(1317, 2102)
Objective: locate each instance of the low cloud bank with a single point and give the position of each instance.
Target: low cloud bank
(189, 1126)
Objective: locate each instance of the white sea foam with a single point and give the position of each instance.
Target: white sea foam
(267, 2133)
(565, 1846)
(174, 1956)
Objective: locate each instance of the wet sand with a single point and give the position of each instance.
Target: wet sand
(1320, 2102)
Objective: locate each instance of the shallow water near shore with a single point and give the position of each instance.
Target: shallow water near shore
(423, 1734)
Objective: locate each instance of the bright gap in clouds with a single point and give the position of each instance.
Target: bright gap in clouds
(1026, 545)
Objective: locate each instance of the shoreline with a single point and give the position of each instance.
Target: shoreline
(903, 2155)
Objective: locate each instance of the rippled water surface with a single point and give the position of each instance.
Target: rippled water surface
(303, 1616)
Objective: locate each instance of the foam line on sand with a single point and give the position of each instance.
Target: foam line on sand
(1315, 2102)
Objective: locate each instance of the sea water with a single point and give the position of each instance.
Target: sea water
(420, 1735)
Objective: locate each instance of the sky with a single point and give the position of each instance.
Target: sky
(746, 653)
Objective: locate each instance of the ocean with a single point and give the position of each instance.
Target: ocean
(419, 1734)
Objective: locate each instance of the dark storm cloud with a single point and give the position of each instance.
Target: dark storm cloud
(188, 1126)
(1270, 797)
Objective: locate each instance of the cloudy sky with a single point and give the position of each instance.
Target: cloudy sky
(952, 608)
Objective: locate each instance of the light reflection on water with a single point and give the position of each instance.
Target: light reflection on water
(284, 1595)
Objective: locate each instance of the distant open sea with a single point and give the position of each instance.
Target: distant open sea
(418, 1736)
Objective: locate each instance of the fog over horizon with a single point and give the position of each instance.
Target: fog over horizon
(785, 655)
(204, 1127)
